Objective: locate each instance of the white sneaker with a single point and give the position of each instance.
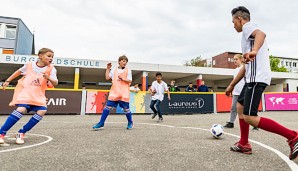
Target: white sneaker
(20, 138)
(2, 138)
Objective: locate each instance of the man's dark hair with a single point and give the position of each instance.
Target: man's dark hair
(158, 73)
(190, 83)
(135, 83)
(241, 11)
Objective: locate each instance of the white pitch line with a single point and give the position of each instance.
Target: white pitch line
(293, 166)
(29, 146)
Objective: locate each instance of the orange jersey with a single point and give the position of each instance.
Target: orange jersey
(34, 86)
(119, 89)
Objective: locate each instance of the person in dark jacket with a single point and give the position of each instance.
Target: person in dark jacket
(203, 87)
(190, 88)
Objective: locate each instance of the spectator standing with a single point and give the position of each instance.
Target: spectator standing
(203, 87)
(190, 88)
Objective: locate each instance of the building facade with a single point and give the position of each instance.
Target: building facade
(290, 63)
(15, 37)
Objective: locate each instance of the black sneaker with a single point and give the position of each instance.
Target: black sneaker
(160, 119)
(294, 147)
(154, 115)
(229, 125)
(255, 129)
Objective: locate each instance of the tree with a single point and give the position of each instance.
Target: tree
(274, 62)
(198, 62)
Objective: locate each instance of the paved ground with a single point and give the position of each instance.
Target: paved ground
(149, 146)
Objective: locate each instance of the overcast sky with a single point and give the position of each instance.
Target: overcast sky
(152, 31)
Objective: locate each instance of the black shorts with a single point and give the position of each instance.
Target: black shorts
(250, 97)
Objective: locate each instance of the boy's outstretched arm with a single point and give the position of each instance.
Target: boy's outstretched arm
(12, 77)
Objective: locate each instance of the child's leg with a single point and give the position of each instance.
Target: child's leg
(13, 118)
(271, 126)
(158, 108)
(33, 121)
(244, 127)
(106, 111)
(152, 106)
(251, 113)
(125, 106)
(128, 115)
(233, 114)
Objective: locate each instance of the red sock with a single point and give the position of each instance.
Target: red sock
(272, 126)
(244, 132)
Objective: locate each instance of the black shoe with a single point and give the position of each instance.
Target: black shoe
(255, 129)
(229, 125)
(154, 115)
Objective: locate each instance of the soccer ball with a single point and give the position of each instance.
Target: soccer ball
(217, 130)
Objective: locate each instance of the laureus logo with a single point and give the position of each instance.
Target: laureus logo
(197, 103)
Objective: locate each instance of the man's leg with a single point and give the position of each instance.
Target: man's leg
(152, 107)
(158, 108)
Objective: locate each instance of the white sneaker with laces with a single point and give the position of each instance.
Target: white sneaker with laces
(20, 138)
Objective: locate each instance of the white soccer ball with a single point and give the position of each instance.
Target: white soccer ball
(217, 130)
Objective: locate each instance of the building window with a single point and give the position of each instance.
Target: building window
(294, 64)
(287, 63)
(282, 63)
(213, 62)
(10, 32)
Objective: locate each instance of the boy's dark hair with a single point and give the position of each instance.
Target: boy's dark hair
(123, 57)
(157, 74)
(242, 12)
(44, 50)
(190, 83)
(135, 83)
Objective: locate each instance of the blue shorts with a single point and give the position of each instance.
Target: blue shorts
(122, 104)
(32, 107)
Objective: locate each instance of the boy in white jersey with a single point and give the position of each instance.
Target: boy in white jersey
(256, 74)
(157, 90)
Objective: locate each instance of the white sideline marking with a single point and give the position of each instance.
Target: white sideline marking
(29, 146)
(293, 166)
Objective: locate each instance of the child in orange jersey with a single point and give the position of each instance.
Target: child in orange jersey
(119, 94)
(32, 96)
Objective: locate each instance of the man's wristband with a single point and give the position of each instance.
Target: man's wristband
(7, 81)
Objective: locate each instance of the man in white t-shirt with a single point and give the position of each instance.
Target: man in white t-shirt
(256, 74)
(134, 88)
(157, 90)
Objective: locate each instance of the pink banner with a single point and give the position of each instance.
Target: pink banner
(281, 101)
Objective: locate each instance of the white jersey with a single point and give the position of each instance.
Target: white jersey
(129, 75)
(238, 88)
(160, 89)
(40, 70)
(259, 69)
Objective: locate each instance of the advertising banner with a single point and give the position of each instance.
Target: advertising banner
(96, 101)
(281, 101)
(59, 102)
(64, 102)
(223, 103)
(187, 104)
